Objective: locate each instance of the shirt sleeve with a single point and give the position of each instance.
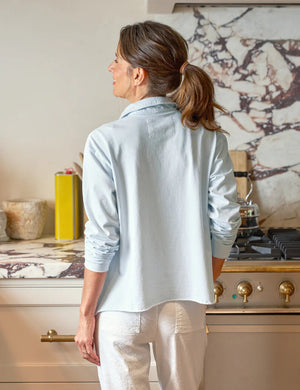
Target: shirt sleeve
(223, 209)
(102, 233)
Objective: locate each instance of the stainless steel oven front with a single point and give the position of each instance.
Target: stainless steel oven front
(254, 328)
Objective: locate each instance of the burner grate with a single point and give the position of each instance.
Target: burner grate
(255, 247)
(277, 244)
(288, 241)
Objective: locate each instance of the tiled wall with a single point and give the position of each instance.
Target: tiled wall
(253, 56)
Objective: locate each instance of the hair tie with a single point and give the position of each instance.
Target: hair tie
(182, 68)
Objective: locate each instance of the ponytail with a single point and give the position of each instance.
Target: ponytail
(195, 99)
(163, 53)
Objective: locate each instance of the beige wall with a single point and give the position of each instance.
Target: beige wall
(55, 87)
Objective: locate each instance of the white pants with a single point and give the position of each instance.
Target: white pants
(177, 332)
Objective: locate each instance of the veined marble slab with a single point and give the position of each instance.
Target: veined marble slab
(42, 258)
(253, 56)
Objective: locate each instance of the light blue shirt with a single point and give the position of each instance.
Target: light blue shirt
(160, 200)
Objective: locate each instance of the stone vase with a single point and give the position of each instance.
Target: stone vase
(26, 218)
(3, 222)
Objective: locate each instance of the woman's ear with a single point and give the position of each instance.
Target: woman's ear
(140, 76)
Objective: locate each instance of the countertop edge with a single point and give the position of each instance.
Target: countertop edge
(48, 258)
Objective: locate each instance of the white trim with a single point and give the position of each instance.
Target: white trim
(168, 6)
(254, 328)
(255, 310)
(41, 283)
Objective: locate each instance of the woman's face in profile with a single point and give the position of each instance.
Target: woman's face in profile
(122, 80)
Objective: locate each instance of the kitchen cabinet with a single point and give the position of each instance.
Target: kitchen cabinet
(28, 309)
(40, 289)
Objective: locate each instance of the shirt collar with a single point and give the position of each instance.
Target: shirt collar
(146, 103)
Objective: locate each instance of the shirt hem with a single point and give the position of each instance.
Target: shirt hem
(150, 306)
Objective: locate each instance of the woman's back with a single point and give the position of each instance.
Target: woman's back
(160, 197)
(161, 173)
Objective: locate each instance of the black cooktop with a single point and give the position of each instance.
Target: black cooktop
(275, 244)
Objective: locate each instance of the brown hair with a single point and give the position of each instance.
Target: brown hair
(161, 51)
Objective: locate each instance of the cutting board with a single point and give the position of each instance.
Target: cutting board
(239, 161)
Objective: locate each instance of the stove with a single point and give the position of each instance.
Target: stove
(254, 325)
(275, 244)
(261, 273)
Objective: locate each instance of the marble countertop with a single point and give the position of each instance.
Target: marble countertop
(42, 258)
(50, 258)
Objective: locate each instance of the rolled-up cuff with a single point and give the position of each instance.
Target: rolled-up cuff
(219, 249)
(98, 255)
(96, 266)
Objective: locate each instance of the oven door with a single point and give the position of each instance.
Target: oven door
(255, 350)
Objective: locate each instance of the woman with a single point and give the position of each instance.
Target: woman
(160, 197)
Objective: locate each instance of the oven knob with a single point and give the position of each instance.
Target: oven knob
(218, 291)
(244, 289)
(287, 288)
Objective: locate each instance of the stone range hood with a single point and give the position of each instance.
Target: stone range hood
(168, 6)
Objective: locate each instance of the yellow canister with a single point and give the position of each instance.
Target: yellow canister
(67, 210)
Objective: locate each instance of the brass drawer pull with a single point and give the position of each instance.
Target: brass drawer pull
(52, 336)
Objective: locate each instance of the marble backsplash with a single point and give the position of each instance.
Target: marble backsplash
(253, 57)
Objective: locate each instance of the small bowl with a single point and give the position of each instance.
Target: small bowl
(26, 218)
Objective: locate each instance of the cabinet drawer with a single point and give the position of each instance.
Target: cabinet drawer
(28, 309)
(23, 358)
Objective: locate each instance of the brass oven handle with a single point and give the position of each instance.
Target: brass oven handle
(52, 336)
